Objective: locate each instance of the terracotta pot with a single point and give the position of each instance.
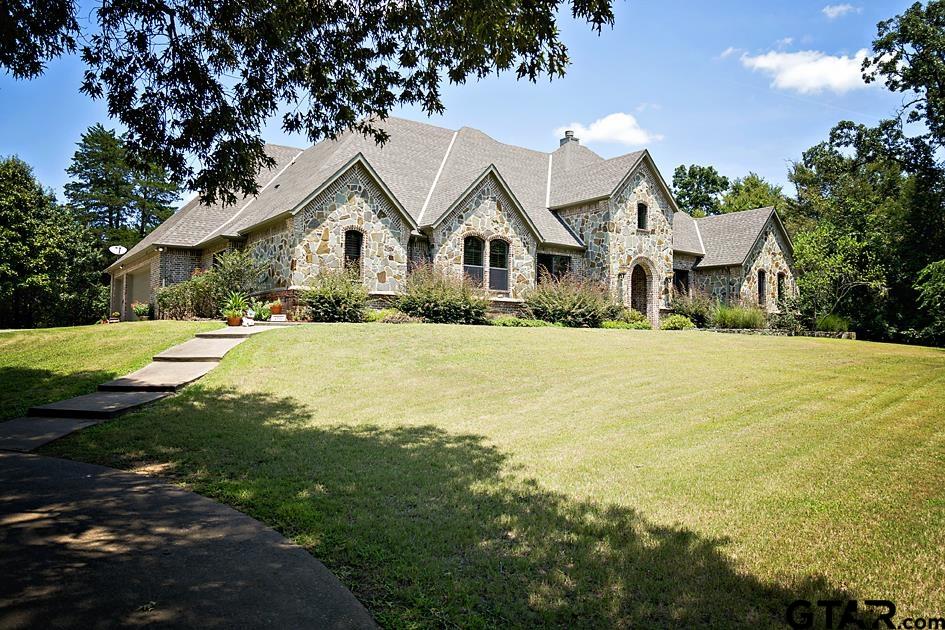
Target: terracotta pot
(276, 308)
(234, 321)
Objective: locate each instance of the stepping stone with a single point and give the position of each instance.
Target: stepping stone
(25, 434)
(160, 376)
(200, 350)
(98, 406)
(234, 332)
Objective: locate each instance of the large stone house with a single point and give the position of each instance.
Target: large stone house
(505, 215)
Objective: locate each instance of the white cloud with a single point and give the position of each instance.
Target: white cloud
(810, 71)
(619, 128)
(785, 41)
(834, 11)
(642, 107)
(728, 52)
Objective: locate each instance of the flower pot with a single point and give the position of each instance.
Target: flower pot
(276, 308)
(234, 321)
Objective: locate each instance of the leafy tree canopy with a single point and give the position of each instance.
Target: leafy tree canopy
(698, 189)
(750, 192)
(198, 79)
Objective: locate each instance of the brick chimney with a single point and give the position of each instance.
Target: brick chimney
(568, 137)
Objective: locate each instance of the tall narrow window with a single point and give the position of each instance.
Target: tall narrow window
(641, 216)
(499, 266)
(473, 248)
(780, 287)
(681, 281)
(353, 241)
(762, 288)
(552, 266)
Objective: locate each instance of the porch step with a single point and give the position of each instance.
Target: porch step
(200, 349)
(160, 376)
(25, 434)
(97, 406)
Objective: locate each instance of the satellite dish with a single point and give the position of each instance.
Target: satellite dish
(118, 250)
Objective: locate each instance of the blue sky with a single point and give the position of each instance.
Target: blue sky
(744, 86)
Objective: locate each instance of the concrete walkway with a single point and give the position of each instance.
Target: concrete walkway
(85, 546)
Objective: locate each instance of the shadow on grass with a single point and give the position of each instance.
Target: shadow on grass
(22, 387)
(430, 528)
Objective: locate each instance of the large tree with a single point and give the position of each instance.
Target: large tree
(750, 192)
(699, 189)
(199, 78)
(50, 264)
(119, 200)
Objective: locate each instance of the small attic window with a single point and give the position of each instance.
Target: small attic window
(641, 216)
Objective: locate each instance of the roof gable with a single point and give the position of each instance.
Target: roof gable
(729, 238)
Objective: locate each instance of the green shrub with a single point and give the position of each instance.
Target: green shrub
(261, 310)
(397, 317)
(334, 296)
(622, 325)
(572, 300)
(698, 307)
(833, 323)
(789, 317)
(378, 314)
(519, 322)
(235, 270)
(620, 313)
(206, 291)
(738, 317)
(234, 305)
(441, 298)
(677, 322)
(174, 301)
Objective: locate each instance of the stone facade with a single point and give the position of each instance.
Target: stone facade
(488, 212)
(616, 244)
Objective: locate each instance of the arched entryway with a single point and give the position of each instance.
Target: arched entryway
(639, 300)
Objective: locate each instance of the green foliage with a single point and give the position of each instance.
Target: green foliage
(930, 285)
(519, 322)
(174, 301)
(235, 304)
(378, 314)
(697, 308)
(833, 323)
(261, 310)
(619, 324)
(120, 202)
(442, 298)
(698, 189)
(750, 192)
(573, 300)
(322, 71)
(789, 317)
(334, 296)
(236, 270)
(201, 295)
(50, 265)
(141, 309)
(619, 312)
(677, 322)
(738, 317)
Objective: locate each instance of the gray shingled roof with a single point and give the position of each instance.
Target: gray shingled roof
(193, 222)
(728, 238)
(426, 168)
(686, 236)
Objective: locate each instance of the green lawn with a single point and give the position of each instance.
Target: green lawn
(477, 476)
(42, 366)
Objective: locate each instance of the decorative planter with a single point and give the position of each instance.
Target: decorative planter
(234, 321)
(276, 308)
(143, 318)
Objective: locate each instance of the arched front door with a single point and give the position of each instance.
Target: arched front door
(638, 297)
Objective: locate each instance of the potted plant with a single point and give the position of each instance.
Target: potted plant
(261, 310)
(115, 318)
(233, 308)
(142, 310)
(275, 307)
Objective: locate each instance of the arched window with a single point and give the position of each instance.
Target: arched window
(641, 216)
(762, 288)
(353, 241)
(638, 283)
(780, 287)
(499, 265)
(473, 248)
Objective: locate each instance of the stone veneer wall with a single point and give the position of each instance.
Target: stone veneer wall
(488, 212)
(772, 254)
(297, 249)
(615, 246)
(720, 282)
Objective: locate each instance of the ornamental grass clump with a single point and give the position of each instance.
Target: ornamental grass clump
(738, 317)
(572, 300)
(441, 298)
(334, 296)
(698, 307)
